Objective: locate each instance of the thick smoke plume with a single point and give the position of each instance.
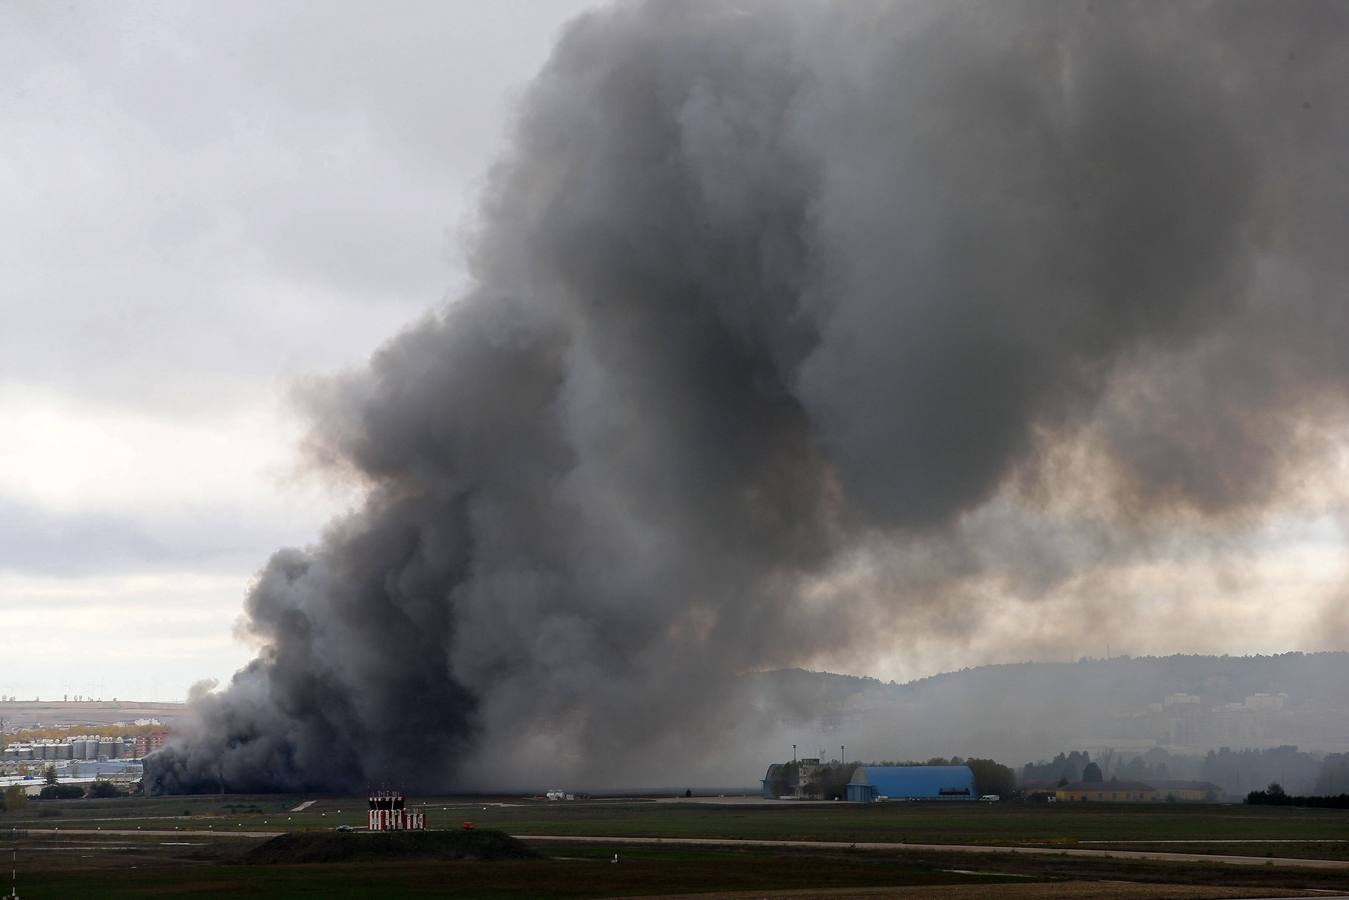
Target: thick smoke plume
(808, 329)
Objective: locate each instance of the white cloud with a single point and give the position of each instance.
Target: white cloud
(205, 200)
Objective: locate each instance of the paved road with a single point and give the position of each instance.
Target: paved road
(961, 848)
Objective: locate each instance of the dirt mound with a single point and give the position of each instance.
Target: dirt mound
(331, 847)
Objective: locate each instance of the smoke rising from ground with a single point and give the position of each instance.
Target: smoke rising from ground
(792, 317)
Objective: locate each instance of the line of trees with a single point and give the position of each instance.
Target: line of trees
(1235, 771)
(1274, 795)
(15, 797)
(61, 792)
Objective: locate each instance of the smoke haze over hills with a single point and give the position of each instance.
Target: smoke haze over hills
(812, 331)
(1201, 717)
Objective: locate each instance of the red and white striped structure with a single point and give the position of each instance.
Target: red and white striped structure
(387, 813)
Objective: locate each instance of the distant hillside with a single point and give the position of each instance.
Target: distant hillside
(25, 714)
(1026, 711)
(1217, 679)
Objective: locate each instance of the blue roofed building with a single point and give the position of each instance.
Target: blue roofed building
(872, 783)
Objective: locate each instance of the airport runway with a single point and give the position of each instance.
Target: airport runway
(1158, 855)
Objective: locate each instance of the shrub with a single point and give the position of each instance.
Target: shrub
(61, 792)
(16, 798)
(103, 789)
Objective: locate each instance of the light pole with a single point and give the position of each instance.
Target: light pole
(14, 865)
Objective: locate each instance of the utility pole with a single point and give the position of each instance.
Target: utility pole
(843, 752)
(793, 753)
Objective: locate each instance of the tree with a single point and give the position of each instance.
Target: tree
(991, 777)
(1334, 775)
(49, 774)
(61, 792)
(105, 789)
(16, 798)
(834, 781)
(1134, 770)
(1092, 774)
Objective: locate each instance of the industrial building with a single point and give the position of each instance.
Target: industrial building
(793, 781)
(1116, 791)
(146, 744)
(1112, 791)
(89, 746)
(872, 783)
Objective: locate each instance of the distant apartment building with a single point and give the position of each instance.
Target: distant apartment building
(149, 743)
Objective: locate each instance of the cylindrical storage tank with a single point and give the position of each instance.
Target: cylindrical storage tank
(89, 748)
(63, 751)
(42, 751)
(26, 752)
(105, 748)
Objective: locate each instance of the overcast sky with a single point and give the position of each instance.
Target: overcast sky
(206, 202)
(202, 203)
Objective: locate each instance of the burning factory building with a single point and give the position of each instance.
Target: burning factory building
(389, 813)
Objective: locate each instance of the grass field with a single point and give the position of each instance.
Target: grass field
(143, 868)
(1277, 831)
(187, 863)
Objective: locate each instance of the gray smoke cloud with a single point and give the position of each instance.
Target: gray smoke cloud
(790, 316)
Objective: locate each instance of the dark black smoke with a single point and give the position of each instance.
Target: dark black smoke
(771, 294)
